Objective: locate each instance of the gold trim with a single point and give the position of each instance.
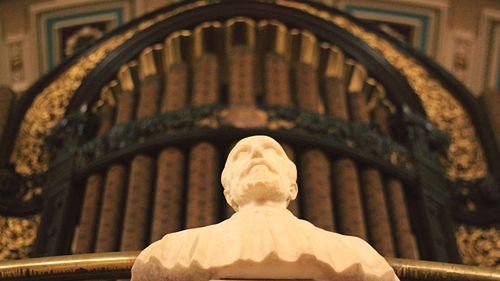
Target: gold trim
(74, 267)
(147, 63)
(274, 37)
(465, 155)
(207, 39)
(178, 48)
(240, 32)
(357, 77)
(17, 236)
(127, 75)
(118, 265)
(331, 60)
(304, 47)
(479, 246)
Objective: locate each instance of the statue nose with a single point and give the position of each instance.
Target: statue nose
(256, 153)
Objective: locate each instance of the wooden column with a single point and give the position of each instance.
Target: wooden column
(315, 170)
(379, 225)
(168, 199)
(276, 65)
(404, 239)
(317, 198)
(204, 190)
(403, 234)
(346, 183)
(203, 186)
(333, 81)
(206, 66)
(85, 231)
(241, 58)
(136, 220)
(85, 236)
(110, 221)
(168, 205)
(305, 62)
(177, 55)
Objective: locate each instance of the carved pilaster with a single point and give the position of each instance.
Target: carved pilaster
(60, 197)
(432, 204)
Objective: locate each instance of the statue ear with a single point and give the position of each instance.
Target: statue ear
(229, 199)
(293, 191)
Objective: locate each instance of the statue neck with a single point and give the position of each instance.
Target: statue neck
(266, 204)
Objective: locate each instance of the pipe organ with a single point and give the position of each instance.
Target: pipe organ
(258, 64)
(147, 117)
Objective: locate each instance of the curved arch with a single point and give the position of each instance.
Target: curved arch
(377, 65)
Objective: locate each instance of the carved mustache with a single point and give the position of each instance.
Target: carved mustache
(256, 162)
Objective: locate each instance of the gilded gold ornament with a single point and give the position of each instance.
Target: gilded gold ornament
(478, 246)
(17, 236)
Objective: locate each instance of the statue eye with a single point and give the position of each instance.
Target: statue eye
(271, 151)
(240, 154)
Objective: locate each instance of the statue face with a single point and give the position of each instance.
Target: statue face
(257, 170)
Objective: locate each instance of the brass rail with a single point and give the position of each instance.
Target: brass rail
(117, 265)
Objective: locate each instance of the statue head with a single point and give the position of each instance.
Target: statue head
(258, 171)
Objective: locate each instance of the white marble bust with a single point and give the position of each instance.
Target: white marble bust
(262, 240)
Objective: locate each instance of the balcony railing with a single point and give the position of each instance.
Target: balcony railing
(118, 265)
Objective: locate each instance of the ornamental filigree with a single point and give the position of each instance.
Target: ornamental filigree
(17, 236)
(354, 135)
(479, 246)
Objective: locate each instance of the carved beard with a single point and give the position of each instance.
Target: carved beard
(269, 188)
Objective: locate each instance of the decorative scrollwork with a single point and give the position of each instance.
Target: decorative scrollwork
(478, 246)
(477, 195)
(72, 130)
(19, 196)
(18, 236)
(359, 136)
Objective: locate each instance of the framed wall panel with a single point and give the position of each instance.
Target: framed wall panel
(487, 67)
(420, 23)
(60, 28)
(16, 62)
(460, 56)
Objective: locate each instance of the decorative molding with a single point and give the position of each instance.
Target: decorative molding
(479, 246)
(460, 56)
(487, 68)
(424, 20)
(349, 134)
(476, 202)
(16, 61)
(18, 236)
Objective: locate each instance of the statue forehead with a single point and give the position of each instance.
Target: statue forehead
(256, 140)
